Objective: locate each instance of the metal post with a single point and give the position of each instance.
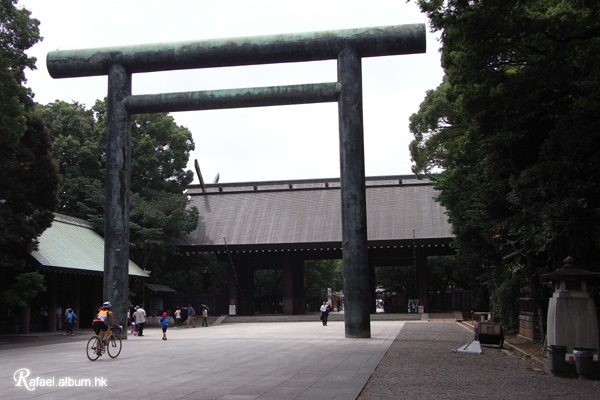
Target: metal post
(354, 205)
(422, 281)
(116, 219)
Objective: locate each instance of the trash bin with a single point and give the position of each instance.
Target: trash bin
(583, 360)
(557, 357)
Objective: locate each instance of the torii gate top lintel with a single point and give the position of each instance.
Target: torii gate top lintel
(315, 46)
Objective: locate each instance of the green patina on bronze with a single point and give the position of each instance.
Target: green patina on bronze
(369, 42)
(233, 98)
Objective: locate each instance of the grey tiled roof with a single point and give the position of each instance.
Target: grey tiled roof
(309, 211)
(71, 244)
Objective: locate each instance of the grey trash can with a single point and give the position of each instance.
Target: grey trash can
(557, 357)
(583, 360)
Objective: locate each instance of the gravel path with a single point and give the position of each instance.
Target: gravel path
(420, 364)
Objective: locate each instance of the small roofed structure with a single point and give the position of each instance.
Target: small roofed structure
(70, 255)
(72, 245)
(569, 271)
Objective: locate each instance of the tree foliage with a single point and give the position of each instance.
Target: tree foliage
(268, 290)
(26, 287)
(18, 32)
(159, 154)
(78, 146)
(28, 194)
(320, 275)
(28, 174)
(401, 279)
(513, 130)
(27, 177)
(193, 274)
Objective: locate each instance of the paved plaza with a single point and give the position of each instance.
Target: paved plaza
(282, 360)
(294, 360)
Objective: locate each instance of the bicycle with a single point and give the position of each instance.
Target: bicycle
(95, 346)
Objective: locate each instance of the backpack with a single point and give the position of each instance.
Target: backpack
(71, 317)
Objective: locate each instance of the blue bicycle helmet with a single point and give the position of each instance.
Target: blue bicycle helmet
(107, 304)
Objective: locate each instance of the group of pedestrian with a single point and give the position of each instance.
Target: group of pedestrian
(138, 317)
(69, 318)
(191, 314)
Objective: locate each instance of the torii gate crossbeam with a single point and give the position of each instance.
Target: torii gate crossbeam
(347, 46)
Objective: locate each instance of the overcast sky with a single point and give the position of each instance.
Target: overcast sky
(254, 144)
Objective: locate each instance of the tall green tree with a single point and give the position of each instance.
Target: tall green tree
(268, 290)
(78, 144)
(193, 275)
(512, 132)
(28, 177)
(159, 154)
(18, 32)
(28, 196)
(320, 275)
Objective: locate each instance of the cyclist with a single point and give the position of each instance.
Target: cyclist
(100, 322)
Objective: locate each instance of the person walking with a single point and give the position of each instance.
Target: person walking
(132, 326)
(59, 317)
(164, 322)
(204, 317)
(71, 318)
(177, 315)
(191, 315)
(43, 313)
(140, 319)
(324, 312)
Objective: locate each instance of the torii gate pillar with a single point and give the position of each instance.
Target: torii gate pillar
(117, 184)
(354, 203)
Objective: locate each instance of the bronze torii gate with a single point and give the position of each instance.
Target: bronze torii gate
(347, 46)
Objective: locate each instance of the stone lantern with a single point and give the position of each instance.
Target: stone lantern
(572, 320)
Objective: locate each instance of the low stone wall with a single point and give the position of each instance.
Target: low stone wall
(526, 324)
(155, 321)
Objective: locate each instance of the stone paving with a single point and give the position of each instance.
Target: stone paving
(280, 360)
(294, 360)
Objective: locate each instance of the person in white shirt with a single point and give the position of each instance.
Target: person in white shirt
(177, 315)
(204, 317)
(140, 319)
(324, 312)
